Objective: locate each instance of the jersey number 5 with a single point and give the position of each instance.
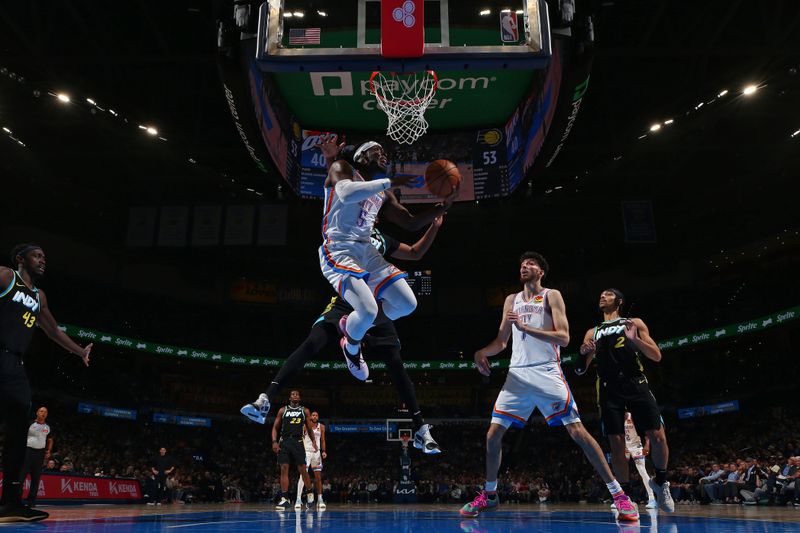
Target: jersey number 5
(620, 342)
(29, 319)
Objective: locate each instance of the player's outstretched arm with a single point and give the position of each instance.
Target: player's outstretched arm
(276, 427)
(637, 333)
(414, 252)
(340, 177)
(396, 212)
(322, 443)
(49, 325)
(586, 353)
(310, 429)
(499, 343)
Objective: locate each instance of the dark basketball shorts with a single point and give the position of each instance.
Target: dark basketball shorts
(292, 452)
(632, 395)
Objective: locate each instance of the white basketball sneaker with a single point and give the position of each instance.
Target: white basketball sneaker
(257, 411)
(424, 441)
(355, 363)
(663, 496)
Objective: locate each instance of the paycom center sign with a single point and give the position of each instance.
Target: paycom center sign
(342, 100)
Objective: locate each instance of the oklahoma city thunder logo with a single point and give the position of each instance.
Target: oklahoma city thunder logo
(405, 14)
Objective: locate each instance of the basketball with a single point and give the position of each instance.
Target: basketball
(442, 177)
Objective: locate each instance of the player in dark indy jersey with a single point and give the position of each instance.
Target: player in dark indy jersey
(290, 422)
(616, 346)
(22, 308)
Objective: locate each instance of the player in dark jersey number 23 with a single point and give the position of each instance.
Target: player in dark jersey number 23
(290, 421)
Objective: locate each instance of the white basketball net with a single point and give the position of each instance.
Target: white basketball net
(404, 98)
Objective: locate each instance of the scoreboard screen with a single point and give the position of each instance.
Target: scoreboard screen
(420, 282)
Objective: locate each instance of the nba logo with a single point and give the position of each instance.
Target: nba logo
(509, 32)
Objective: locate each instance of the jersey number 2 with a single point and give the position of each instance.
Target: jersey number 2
(29, 319)
(620, 342)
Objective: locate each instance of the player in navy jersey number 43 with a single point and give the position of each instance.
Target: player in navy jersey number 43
(23, 307)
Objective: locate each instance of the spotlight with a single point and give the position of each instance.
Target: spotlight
(91, 101)
(151, 130)
(485, 12)
(668, 122)
(655, 127)
(63, 97)
(722, 93)
(750, 89)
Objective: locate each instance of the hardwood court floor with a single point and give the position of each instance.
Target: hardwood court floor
(561, 518)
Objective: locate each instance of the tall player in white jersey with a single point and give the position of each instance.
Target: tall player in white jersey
(634, 449)
(354, 193)
(313, 460)
(536, 320)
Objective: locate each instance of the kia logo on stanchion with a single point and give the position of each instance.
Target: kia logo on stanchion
(405, 14)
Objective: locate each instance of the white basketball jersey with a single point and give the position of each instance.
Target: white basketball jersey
(349, 222)
(307, 440)
(632, 439)
(527, 350)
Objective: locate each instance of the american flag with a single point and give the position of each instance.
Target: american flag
(304, 36)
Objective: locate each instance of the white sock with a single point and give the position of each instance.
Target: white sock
(300, 486)
(310, 497)
(615, 488)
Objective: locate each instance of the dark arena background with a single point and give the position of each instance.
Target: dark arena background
(165, 157)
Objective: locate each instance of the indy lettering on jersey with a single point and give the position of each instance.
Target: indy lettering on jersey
(608, 331)
(28, 301)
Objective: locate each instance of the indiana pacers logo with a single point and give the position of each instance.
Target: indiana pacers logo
(405, 14)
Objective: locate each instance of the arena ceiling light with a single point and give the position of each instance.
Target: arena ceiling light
(91, 101)
(655, 127)
(62, 97)
(668, 122)
(750, 89)
(722, 93)
(485, 12)
(322, 13)
(793, 135)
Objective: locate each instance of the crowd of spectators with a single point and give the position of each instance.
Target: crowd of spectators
(731, 458)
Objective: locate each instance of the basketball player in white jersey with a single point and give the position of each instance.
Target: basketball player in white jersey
(313, 460)
(636, 451)
(354, 193)
(536, 319)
